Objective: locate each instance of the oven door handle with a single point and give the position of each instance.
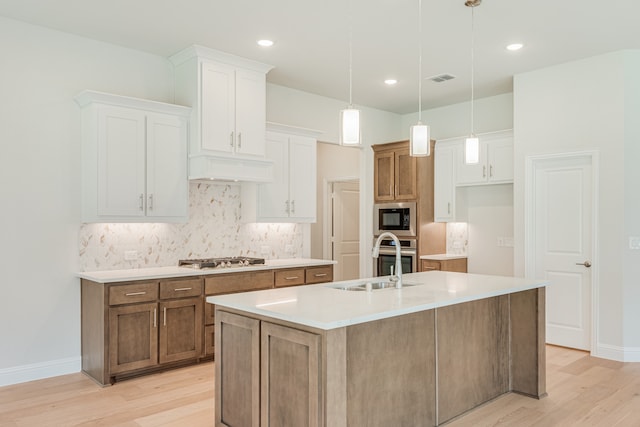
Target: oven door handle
(410, 252)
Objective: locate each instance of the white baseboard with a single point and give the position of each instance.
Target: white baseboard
(38, 371)
(621, 354)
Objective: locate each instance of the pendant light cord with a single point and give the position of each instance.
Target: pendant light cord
(350, 56)
(472, 67)
(419, 61)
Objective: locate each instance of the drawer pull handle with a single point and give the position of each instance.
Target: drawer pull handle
(133, 294)
(165, 316)
(182, 289)
(430, 269)
(320, 274)
(155, 317)
(291, 278)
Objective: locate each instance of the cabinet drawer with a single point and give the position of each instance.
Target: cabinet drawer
(289, 277)
(133, 293)
(238, 282)
(319, 274)
(180, 288)
(429, 265)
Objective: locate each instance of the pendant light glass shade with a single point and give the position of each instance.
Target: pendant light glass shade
(472, 150)
(350, 126)
(419, 141)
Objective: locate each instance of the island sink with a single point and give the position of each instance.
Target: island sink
(369, 286)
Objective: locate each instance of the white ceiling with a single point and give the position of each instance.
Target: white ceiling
(312, 39)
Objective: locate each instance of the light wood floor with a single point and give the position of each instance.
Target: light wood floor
(583, 391)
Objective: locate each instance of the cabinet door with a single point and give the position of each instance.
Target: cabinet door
(133, 337)
(250, 112)
(302, 178)
(444, 186)
(121, 162)
(273, 197)
(181, 323)
(290, 376)
(500, 159)
(167, 180)
(383, 173)
(217, 115)
(237, 370)
(471, 174)
(405, 176)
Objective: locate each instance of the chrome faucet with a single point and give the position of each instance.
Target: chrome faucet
(376, 253)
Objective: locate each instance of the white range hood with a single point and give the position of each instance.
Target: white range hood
(205, 167)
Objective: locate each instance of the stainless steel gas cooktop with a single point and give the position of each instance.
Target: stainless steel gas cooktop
(220, 262)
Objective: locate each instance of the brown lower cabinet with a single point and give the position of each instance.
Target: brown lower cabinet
(132, 328)
(458, 265)
(276, 367)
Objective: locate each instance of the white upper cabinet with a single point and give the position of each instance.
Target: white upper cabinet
(291, 196)
(496, 161)
(444, 199)
(134, 159)
(228, 96)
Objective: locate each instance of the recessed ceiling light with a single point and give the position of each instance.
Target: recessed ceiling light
(514, 46)
(390, 82)
(265, 43)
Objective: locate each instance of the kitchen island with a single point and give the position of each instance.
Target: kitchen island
(422, 355)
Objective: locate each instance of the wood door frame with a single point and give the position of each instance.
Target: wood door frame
(530, 227)
(327, 210)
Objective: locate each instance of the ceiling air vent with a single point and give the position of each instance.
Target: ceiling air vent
(441, 78)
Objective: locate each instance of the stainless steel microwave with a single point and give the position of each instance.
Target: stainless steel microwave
(398, 218)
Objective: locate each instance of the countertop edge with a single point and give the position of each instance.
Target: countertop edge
(128, 275)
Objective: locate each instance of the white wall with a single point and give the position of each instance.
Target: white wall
(40, 178)
(491, 114)
(40, 184)
(591, 104)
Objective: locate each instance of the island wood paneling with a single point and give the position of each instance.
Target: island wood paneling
(391, 372)
(237, 371)
(528, 368)
(473, 349)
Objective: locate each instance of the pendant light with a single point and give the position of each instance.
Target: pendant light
(472, 144)
(350, 117)
(419, 135)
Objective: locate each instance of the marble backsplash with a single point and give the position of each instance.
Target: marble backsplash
(214, 229)
(457, 238)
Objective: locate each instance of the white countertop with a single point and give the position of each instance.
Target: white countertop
(111, 276)
(442, 257)
(324, 307)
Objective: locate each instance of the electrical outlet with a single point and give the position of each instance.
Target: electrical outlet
(264, 250)
(634, 242)
(508, 242)
(288, 249)
(500, 242)
(130, 255)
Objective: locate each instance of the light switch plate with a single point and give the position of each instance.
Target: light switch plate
(634, 242)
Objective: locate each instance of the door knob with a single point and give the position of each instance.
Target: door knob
(586, 264)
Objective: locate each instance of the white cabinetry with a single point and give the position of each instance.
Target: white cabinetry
(134, 159)
(495, 165)
(228, 96)
(291, 197)
(444, 184)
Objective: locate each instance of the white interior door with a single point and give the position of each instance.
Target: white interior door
(346, 230)
(562, 215)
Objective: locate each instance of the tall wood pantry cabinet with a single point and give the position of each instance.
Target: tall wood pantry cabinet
(134, 159)
(394, 172)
